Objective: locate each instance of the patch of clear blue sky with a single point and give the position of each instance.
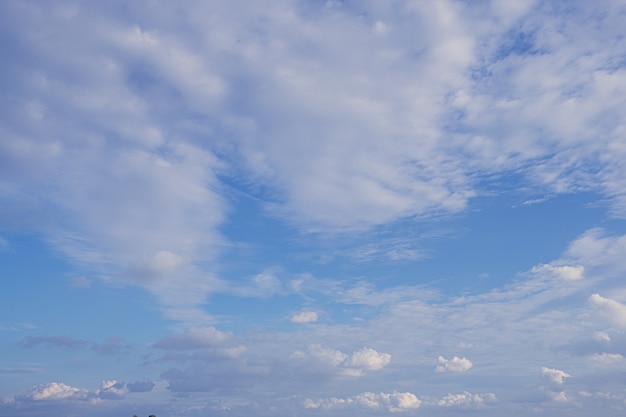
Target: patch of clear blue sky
(37, 291)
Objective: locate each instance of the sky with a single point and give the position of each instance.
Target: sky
(312, 208)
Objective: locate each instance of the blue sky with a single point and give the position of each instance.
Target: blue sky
(312, 208)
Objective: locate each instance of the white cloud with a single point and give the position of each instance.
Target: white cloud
(612, 310)
(554, 375)
(466, 399)
(596, 247)
(54, 391)
(338, 362)
(304, 317)
(391, 402)
(59, 392)
(121, 128)
(565, 272)
(455, 364)
(369, 359)
(111, 390)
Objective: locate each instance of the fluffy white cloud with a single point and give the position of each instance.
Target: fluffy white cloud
(60, 392)
(111, 390)
(566, 272)
(391, 402)
(304, 317)
(554, 375)
(366, 359)
(455, 364)
(328, 356)
(55, 391)
(369, 359)
(612, 310)
(466, 399)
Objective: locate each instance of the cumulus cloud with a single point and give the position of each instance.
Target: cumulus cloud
(111, 390)
(336, 361)
(369, 359)
(325, 355)
(466, 399)
(554, 375)
(612, 310)
(390, 402)
(54, 391)
(304, 317)
(455, 364)
(60, 392)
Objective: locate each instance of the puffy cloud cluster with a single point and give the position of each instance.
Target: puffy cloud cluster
(455, 364)
(466, 399)
(60, 392)
(304, 317)
(336, 361)
(55, 391)
(112, 390)
(554, 375)
(390, 402)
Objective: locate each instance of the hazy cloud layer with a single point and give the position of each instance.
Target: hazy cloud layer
(294, 184)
